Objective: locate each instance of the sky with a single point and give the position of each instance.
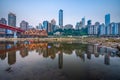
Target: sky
(36, 11)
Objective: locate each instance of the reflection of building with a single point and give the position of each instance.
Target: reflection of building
(96, 51)
(107, 59)
(80, 54)
(89, 51)
(60, 60)
(3, 56)
(24, 52)
(11, 57)
(45, 52)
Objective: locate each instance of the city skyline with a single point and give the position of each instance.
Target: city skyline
(35, 12)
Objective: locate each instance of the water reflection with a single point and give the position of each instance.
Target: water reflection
(57, 61)
(51, 50)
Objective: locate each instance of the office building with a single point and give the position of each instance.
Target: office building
(83, 22)
(24, 25)
(102, 30)
(107, 19)
(2, 31)
(11, 22)
(119, 29)
(53, 25)
(90, 27)
(96, 28)
(114, 28)
(61, 18)
(39, 27)
(45, 25)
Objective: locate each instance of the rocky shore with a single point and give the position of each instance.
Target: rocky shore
(108, 42)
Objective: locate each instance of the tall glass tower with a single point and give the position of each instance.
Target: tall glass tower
(61, 18)
(107, 19)
(11, 22)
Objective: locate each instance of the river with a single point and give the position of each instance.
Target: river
(57, 61)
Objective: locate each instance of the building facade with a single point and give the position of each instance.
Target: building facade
(11, 22)
(102, 30)
(61, 18)
(83, 22)
(107, 19)
(53, 25)
(45, 25)
(119, 29)
(24, 25)
(3, 31)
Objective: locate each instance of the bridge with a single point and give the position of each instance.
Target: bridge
(15, 29)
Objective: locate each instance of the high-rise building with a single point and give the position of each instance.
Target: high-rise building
(61, 18)
(24, 25)
(11, 21)
(107, 19)
(45, 25)
(53, 25)
(3, 31)
(89, 22)
(96, 28)
(83, 22)
(49, 27)
(90, 27)
(40, 27)
(53, 22)
(3, 21)
(114, 29)
(77, 27)
(102, 30)
(119, 29)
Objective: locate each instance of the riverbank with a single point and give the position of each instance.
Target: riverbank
(108, 42)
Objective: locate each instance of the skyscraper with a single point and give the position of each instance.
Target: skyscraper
(2, 31)
(11, 21)
(96, 28)
(118, 28)
(3, 21)
(83, 22)
(45, 25)
(61, 18)
(40, 27)
(102, 29)
(107, 19)
(90, 27)
(77, 27)
(53, 25)
(53, 22)
(24, 25)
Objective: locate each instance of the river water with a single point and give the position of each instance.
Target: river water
(58, 61)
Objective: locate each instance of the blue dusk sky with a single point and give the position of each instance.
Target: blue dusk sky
(36, 11)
